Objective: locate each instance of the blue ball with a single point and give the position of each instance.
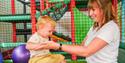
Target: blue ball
(1, 58)
(20, 54)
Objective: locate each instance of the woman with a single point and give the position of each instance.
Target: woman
(102, 41)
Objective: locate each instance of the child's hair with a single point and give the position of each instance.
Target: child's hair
(45, 19)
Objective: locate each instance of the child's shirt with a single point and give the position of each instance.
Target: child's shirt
(36, 39)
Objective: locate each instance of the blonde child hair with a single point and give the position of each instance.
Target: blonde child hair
(45, 19)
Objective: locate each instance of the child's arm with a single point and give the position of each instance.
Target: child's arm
(34, 46)
(33, 43)
(31, 46)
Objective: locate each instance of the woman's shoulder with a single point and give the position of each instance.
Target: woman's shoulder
(111, 25)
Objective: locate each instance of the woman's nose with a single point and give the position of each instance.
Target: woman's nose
(90, 13)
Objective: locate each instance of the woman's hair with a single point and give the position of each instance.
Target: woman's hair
(44, 20)
(107, 9)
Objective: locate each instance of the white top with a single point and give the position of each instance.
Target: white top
(35, 38)
(111, 34)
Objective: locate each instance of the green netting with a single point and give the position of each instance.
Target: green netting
(10, 44)
(123, 21)
(76, 61)
(59, 5)
(65, 1)
(122, 45)
(121, 56)
(56, 12)
(5, 7)
(59, 53)
(15, 18)
(121, 15)
(8, 61)
(82, 25)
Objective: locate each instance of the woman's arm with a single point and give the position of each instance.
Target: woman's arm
(79, 50)
(83, 42)
(85, 51)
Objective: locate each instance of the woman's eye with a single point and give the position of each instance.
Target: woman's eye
(93, 9)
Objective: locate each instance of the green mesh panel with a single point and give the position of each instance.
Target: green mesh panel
(82, 25)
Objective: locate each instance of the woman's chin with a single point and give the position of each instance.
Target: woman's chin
(95, 20)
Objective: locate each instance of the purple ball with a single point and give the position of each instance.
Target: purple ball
(20, 54)
(1, 58)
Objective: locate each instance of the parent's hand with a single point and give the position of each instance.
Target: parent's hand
(50, 45)
(39, 47)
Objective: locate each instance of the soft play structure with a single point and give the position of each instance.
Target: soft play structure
(18, 19)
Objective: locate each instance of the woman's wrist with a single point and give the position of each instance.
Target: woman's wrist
(60, 46)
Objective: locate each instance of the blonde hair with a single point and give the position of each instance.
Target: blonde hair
(45, 19)
(108, 11)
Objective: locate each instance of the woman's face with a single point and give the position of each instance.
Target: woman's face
(95, 12)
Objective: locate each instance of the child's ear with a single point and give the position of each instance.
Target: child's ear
(39, 26)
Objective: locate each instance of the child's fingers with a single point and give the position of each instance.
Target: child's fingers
(41, 47)
(43, 43)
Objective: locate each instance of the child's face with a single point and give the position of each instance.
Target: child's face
(96, 13)
(46, 30)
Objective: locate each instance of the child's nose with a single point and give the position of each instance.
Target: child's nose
(50, 33)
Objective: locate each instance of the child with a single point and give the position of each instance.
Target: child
(45, 27)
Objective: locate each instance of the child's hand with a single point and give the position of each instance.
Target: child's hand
(39, 47)
(50, 45)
